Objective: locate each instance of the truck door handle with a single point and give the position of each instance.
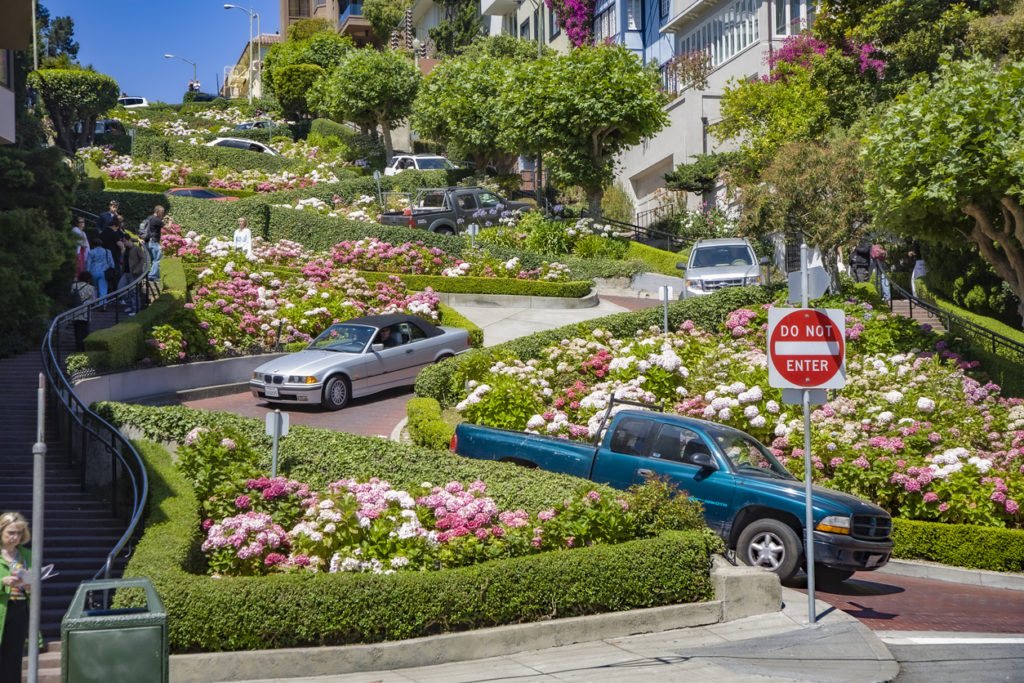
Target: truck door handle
(409, 350)
(644, 472)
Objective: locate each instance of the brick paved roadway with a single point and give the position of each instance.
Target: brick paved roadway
(373, 415)
(889, 602)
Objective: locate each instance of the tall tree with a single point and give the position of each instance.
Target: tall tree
(460, 27)
(304, 29)
(581, 110)
(325, 49)
(73, 99)
(370, 88)
(814, 190)
(946, 161)
(60, 38)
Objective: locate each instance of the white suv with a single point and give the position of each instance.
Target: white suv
(418, 162)
(131, 102)
(715, 264)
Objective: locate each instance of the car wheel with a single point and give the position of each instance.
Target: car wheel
(443, 356)
(829, 577)
(445, 230)
(336, 393)
(772, 545)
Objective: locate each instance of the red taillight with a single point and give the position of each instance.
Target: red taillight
(454, 443)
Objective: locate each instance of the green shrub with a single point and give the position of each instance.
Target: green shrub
(291, 84)
(959, 545)
(122, 144)
(444, 381)
(290, 610)
(125, 343)
(426, 428)
(617, 205)
(486, 285)
(449, 317)
(595, 246)
(658, 260)
(144, 186)
(263, 134)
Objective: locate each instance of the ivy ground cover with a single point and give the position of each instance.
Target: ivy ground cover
(913, 430)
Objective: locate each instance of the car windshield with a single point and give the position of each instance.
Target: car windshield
(747, 454)
(721, 255)
(343, 338)
(435, 164)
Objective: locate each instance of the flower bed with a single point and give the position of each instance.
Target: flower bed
(912, 430)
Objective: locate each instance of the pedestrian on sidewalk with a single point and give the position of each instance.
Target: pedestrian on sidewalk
(15, 562)
(82, 250)
(99, 262)
(243, 237)
(82, 292)
(150, 232)
(134, 267)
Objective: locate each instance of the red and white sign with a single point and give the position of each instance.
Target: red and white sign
(806, 348)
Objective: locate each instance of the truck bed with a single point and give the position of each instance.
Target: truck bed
(547, 452)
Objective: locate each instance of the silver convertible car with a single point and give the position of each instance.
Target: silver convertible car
(355, 358)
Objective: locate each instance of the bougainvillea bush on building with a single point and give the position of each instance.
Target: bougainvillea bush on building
(913, 430)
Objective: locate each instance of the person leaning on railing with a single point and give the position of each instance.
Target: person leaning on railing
(15, 561)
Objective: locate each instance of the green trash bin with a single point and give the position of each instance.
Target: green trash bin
(109, 645)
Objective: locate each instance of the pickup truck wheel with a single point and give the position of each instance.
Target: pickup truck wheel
(336, 393)
(772, 545)
(827, 576)
(445, 230)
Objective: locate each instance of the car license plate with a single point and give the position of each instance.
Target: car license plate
(272, 392)
(873, 560)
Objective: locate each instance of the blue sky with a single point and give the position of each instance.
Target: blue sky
(127, 40)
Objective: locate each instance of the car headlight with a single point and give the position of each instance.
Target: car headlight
(257, 375)
(752, 280)
(834, 524)
(301, 379)
(695, 284)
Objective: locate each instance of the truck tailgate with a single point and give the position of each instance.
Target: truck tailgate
(548, 453)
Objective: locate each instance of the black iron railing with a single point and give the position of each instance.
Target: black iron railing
(640, 233)
(982, 337)
(107, 461)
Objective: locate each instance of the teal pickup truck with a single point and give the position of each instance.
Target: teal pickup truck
(749, 498)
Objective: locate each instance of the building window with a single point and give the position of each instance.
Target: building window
(524, 30)
(553, 29)
(669, 79)
(604, 25)
(298, 8)
(536, 24)
(6, 69)
(793, 16)
(319, 3)
(634, 14)
(726, 33)
(664, 9)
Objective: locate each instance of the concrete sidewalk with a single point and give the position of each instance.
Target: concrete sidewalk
(778, 646)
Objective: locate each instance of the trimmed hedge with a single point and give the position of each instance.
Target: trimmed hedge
(145, 186)
(426, 428)
(122, 144)
(485, 285)
(125, 343)
(304, 609)
(444, 381)
(168, 149)
(659, 260)
(451, 318)
(959, 545)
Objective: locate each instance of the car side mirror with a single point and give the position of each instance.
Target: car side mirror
(681, 265)
(704, 461)
(377, 348)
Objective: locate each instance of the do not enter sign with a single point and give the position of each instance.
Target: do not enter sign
(806, 348)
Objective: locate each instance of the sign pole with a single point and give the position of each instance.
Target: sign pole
(808, 469)
(277, 437)
(38, 491)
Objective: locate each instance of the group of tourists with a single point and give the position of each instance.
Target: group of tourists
(110, 259)
(869, 259)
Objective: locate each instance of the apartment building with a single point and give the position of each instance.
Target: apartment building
(15, 34)
(347, 15)
(240, 77)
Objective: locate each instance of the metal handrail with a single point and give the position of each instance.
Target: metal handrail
(639, 232)
(950, 321)
(94, 429)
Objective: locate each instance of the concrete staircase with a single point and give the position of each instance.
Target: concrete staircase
(79, 528)
(902, 307)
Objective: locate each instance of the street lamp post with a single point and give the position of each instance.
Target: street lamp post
(252, 15)
(184, 60)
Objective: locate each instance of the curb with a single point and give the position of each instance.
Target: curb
(940, 572)
(742, 592)
(519, 301)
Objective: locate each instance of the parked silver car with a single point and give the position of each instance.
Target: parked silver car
(718, 263)
(356, 358)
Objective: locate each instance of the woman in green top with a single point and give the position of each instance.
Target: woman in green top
(15, 560)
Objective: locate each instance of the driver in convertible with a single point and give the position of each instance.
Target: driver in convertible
(388, 339)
